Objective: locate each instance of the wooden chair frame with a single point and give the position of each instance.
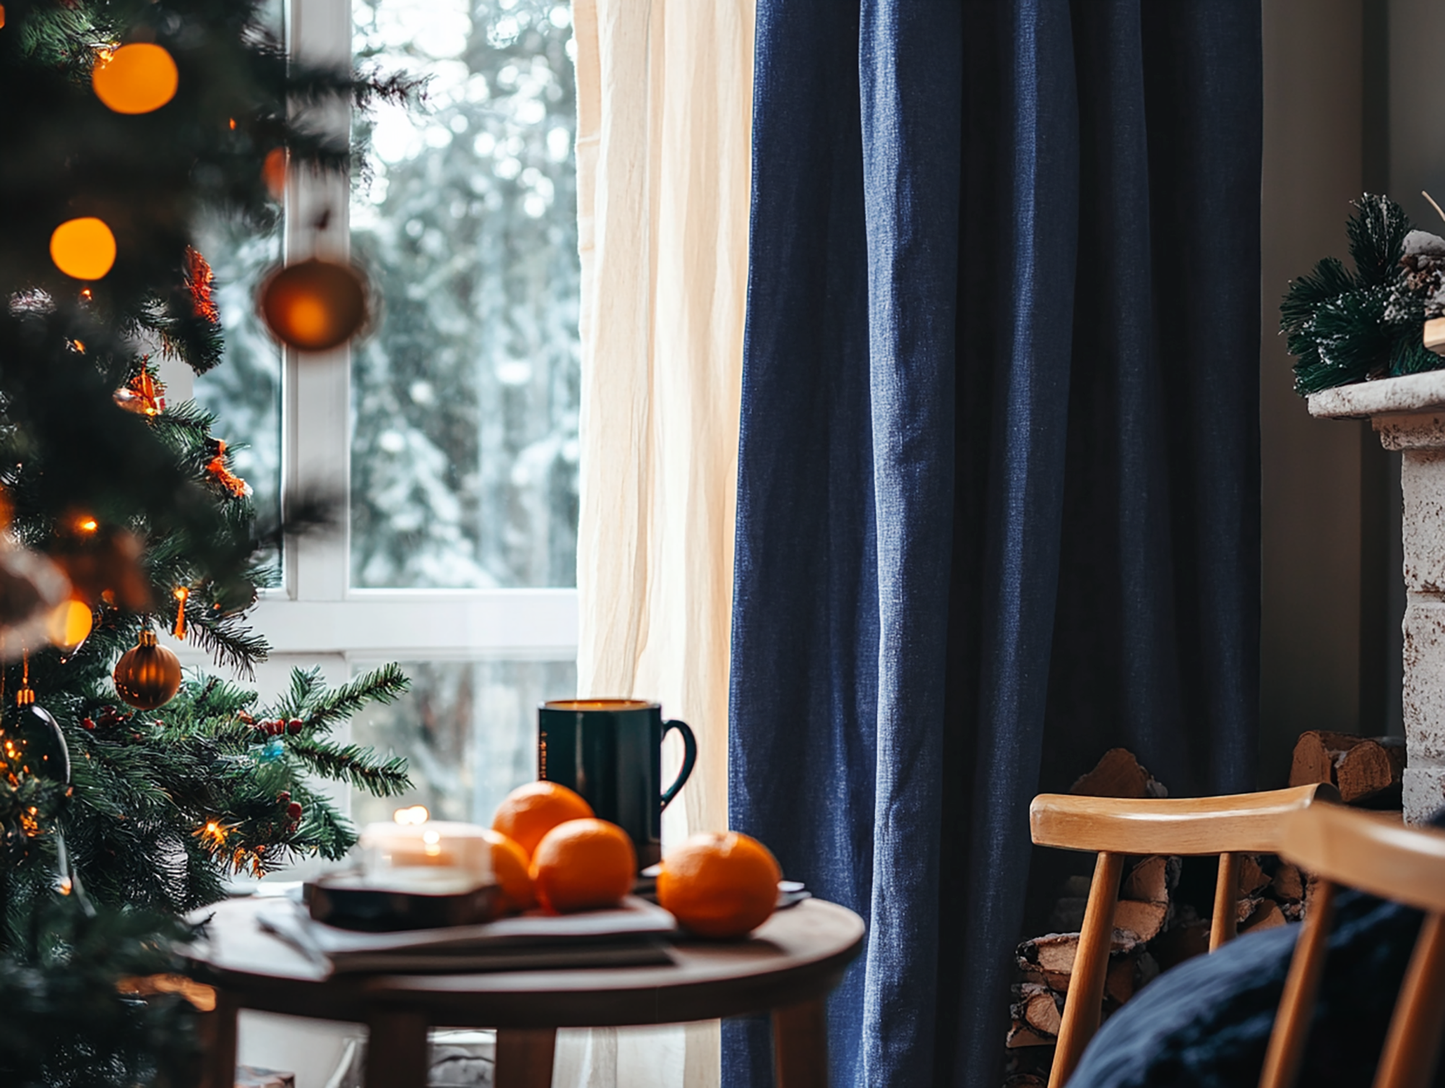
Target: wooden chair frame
(1343, 847)
(1114, 828)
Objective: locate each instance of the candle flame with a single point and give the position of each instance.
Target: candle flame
(416, 814)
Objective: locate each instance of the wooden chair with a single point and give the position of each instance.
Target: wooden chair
(1375, 853)
(1114, 828)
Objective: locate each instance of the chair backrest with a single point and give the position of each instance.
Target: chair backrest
(1114, 827)
(1343, 847)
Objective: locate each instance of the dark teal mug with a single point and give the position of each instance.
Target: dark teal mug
(610, 751)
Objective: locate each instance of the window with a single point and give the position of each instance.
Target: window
(450, 429)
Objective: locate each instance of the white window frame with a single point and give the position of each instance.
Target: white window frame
(316, 617)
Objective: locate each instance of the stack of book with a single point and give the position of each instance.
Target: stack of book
(633, 934)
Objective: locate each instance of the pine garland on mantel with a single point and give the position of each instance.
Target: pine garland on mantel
(1345, 326)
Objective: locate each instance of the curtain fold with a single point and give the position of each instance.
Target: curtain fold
(663, 152)
(998, 473)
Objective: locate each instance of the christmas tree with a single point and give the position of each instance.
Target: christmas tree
(127, 794)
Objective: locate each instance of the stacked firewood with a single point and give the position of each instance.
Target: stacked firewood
(1366, 770)
(1153, 928)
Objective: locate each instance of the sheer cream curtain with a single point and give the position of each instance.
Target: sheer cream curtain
(663, 167)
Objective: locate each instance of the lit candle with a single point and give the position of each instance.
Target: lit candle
(446, 851)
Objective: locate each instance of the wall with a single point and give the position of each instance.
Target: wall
(1353, 102)
(1310, 644)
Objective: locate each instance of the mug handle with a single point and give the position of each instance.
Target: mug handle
(689, 757)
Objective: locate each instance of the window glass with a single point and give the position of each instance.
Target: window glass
(468, 730)
(464, 399)
(244, 392)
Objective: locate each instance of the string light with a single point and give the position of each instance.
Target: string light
(136, 78)
(83, 248)
(181, 594)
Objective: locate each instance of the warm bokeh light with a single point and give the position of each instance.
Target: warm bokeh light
(416, 814)
(83, 248)
(68, 624)
(2, 14)
(86, 524)
(136, 78)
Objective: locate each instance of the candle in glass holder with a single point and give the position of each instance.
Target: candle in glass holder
(444, 851)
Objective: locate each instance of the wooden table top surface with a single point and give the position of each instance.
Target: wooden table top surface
(797, 955)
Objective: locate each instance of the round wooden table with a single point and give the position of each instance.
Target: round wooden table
(787, 967)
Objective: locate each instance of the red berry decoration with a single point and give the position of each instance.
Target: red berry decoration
(284, 797)
(293, 811)
(294, 726)
(87, 724)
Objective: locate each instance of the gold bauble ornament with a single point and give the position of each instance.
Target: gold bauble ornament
(148, 675)
(136, 78)
(314, 305)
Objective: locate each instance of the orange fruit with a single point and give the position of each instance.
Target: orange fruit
(530, 811)
(719, 884)
(583, 865)
(511, 868)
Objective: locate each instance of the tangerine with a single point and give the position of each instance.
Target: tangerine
(530, 811)
(583, 865)
(510, 866)
(719, 884)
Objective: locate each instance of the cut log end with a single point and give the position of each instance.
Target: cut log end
(1118, 774)
(1361, 768)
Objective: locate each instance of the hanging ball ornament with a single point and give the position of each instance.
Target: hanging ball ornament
(148, 675)
(83, 248)
(314, 305)
(31, 741)
(135, 78)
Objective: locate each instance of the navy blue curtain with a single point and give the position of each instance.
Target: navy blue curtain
(998, 476)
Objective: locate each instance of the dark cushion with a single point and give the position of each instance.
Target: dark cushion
(1206, 1023)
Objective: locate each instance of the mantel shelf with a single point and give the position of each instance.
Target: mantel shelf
(1413, 393)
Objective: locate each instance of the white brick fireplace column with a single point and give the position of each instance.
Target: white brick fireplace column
(1409, 414)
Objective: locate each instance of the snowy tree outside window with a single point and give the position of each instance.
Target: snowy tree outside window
(464, 400)
(464, 394)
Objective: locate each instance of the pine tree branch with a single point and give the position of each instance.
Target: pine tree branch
(382, 685)
(1377, 239)
(360, 766)
(228, 640)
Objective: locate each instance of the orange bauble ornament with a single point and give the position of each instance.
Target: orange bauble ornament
(148, 675)
(314, 305)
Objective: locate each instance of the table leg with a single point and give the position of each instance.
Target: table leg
(524, 1057)
(396, 1049)
(218, 1043)
(800, 1045)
